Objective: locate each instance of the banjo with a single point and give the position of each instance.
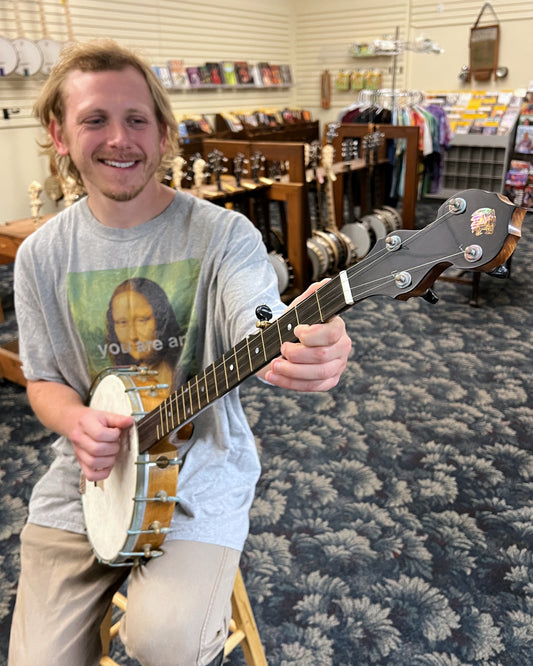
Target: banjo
(128, 515)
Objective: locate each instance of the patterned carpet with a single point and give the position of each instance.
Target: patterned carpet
(393, 523)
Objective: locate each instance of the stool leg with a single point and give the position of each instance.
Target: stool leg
(244, 619)
(105, 632)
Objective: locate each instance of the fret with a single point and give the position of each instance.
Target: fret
(318, 305)
(190, 409)
(172, 411)
(287, 323)
(232, 370)
(225, 370)
(263, 344)
(214, 373)
(182, 392)
(248, 350)
(257, 351)
(206, 387)
(164, 415)
(279, 332)
(236, 363)
(198, 396)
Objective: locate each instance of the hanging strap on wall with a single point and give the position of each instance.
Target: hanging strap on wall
(325, 90)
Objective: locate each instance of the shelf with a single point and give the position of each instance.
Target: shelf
(216, 86)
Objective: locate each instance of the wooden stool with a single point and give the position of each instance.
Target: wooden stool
(243, 630)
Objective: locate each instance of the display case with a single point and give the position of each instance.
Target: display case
(476, 161)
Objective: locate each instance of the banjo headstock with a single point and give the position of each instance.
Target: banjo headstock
(474, 231)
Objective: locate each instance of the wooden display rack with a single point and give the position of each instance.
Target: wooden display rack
(11, 236)
(292, 190)
(410, 134)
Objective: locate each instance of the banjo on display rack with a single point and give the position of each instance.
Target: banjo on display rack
(359, 231)
(30, 56)
(277, 255)
(128, 515)
(9, 57)
(381, 220)
(322, 238)
(349, 252)
(50, 48)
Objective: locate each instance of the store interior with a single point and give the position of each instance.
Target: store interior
(391, 523)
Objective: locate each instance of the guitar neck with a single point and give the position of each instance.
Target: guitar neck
(246, 358)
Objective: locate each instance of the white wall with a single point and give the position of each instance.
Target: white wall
(196, 32)
(312, 35)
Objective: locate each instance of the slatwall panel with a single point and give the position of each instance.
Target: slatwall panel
(459, 13)
(324, 33)
(162, 30)
(449, 23)
(311, 35)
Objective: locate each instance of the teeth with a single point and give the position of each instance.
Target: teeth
(120, 165)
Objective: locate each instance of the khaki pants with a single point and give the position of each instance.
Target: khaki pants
(178, 604)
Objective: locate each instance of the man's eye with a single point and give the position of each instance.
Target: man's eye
(93, 122)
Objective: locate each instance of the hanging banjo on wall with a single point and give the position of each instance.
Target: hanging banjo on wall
(484, 46)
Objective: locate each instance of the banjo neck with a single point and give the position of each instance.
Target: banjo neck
(234, 366)
(475, 230)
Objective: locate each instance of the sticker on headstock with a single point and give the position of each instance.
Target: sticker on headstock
(483, 221)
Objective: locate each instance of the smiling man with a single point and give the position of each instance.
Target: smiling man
(201, 271)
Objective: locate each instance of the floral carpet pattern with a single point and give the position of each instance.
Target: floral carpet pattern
(393, 522)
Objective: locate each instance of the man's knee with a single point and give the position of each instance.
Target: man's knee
(165, 639)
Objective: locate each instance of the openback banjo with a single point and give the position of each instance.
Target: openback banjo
(128, 514)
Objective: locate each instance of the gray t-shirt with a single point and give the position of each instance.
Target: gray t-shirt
(210, 270)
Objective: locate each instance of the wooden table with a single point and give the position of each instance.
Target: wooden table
(11, 236)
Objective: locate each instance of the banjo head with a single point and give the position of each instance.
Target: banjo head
(127, 514)
(283, 270)
(51, 51)
(377, 224)
(360, 238)
(8, 56)
(107, 504)
(30, 57)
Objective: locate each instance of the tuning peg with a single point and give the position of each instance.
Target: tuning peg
(430, 296)
(500, 272)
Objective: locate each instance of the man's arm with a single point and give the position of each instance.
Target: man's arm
(95, 434)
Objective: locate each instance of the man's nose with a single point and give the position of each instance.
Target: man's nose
(117, 134)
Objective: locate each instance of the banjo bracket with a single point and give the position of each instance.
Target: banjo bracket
(160, 496)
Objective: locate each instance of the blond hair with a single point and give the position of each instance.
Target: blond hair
(100, 55)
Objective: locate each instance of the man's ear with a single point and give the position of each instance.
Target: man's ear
(56, 132)
(163, 136)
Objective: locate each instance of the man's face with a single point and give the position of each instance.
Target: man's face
(135, 325)
(111, 132)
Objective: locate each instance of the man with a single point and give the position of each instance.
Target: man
(111, 127)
